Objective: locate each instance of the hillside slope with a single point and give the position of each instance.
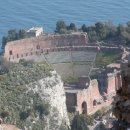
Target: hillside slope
(32, 96)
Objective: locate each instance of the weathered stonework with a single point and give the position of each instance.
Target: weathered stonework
(51, 90)
(91, 95)
(33, 46)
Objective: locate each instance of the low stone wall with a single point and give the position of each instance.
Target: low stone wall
(32, 54)
(44, 42)
(53, 43)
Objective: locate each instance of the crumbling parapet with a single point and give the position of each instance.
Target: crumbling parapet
(87, 97)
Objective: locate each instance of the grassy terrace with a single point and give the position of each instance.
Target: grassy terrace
(23, 73)
(72, 70)
(105, 58)
(102, 60)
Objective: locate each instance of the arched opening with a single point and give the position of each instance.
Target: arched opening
(17, 56)
(94, 103)
(84, 108)
(47, 51)
(41, 50)
(11, 52)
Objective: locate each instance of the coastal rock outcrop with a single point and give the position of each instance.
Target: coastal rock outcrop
(51, 90)
(32, 97)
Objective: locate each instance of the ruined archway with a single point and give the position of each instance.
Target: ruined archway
(84, 108)
(94, 103)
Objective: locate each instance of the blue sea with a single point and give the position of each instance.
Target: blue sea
(27, 13)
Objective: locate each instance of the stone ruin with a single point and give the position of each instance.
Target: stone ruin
(35, 48)
(30, 47)
(83, 100)
(88, 95)
(121, 108)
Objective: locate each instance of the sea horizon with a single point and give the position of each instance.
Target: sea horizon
(27, 14)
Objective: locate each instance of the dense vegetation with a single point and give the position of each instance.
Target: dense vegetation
(17, 104)
(99, 31)
(80, 122)
(13, 35)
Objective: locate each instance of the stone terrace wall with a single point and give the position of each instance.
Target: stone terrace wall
(29, 52)
(29, 46)
(111, 49)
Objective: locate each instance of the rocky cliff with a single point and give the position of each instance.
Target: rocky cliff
(32, 96)
(121, 108)
(51, 90)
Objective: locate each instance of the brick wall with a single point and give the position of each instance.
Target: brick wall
(88, 96)
(91, 99)
(30, 46)
(111, 83)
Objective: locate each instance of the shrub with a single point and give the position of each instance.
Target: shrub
(43, 109)
(25, 63)
(5, 66)
(79, 123)
(98, 114)
(24, 115)
(4, 114)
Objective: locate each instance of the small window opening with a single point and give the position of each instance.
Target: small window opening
(10, 52)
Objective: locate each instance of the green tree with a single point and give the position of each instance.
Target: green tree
(72, 26)
(111, 30)
(79, 123)
(102, 126)
(22, 34)
(123, 34)
(92, 35)
(60, 25)
(98, 114)
(4, 41)
(128, 23)
(100, 30)
(12, 35)
(120, 30)
(84, 28)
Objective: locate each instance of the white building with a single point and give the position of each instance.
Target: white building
(35, 31)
